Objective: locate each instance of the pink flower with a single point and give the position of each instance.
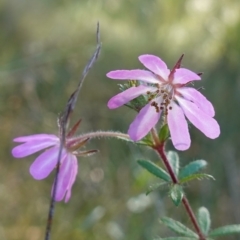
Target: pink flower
(168, 96)
(47, 161)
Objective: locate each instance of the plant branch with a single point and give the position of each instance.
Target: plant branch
(103, 134)
(160, 150)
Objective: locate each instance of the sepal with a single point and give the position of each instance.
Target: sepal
(164, 133)
(86, 153)
(138, 103)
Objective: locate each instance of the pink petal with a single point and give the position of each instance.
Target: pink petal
(38, 137)
(200, 119)
(64, 177)
(183, 75)
(201, 101)
(45, 163)
(33, 146)
(73, 178)
(128, 95)
(178, 128)
(135, 74)
(155, 64)
(146, 119)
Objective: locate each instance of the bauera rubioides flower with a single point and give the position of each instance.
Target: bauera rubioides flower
(168, 96)
(46, 162)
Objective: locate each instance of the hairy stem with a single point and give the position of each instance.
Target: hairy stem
(101, 134)
(160, 150)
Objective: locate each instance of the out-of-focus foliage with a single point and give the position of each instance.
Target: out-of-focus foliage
(44, 46)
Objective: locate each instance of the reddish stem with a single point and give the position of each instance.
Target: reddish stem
(160, 149)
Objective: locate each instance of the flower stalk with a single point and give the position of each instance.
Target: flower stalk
(159, 148)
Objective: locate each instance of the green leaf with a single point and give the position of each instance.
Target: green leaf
(147, 140)
(192, 168)
(156, 186)
(226, 230)
(164, 133)
(178, 227)
(174, 161)
(204, 220)
(176, 194)
(155, 170)
(198, 176)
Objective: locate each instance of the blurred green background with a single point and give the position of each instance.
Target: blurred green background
(44, 46)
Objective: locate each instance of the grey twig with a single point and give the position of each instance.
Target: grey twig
(63, 120)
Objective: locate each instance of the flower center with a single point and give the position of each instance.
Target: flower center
(164, 94)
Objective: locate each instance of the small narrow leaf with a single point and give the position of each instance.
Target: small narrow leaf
(147, 140)
(155, 170)
(178, 227)
(174, 161)
(144, 142)
(192, 168)
(176, 194)
(198, 176)
(226, 230)
(204, 220)
(156, 186)
(164, 133)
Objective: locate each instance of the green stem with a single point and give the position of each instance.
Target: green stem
(160, 150)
